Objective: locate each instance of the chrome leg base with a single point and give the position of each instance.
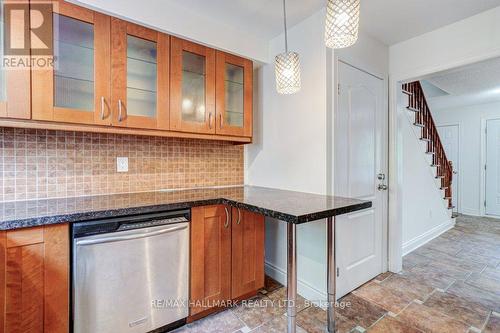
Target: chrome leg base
(331, 274)
(291, 278)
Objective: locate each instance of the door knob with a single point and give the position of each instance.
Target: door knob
(382, 187)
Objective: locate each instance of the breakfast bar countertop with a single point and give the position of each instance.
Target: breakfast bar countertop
(288, 206)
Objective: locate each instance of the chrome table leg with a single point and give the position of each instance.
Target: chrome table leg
(291, 277)
(331, 273)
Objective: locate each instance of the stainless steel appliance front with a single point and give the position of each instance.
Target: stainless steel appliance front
(131, 281)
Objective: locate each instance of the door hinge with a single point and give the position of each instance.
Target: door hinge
(484, 203)
(338, 272)
(485, 167)
(338, 88)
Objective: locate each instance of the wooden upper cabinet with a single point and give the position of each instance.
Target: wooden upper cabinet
(210, 256)
(15, 101)
(139, 76)
(247, 253)
(77, 88)
(192, 87)
(234, 95)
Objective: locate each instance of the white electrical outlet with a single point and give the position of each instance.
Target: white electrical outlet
(122, 164)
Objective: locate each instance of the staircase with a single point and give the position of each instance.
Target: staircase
(429, 134)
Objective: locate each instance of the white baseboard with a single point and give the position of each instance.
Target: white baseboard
(417, 242)
(304, 289)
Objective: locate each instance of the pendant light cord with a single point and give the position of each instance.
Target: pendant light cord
(284, 21)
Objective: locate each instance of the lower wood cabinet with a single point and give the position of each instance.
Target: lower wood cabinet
(34, 279)
(247, 250)
(227, 256)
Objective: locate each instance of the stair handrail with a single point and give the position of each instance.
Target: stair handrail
(429, 132)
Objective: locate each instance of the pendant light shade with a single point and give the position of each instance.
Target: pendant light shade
(287, 67)
(342, 23)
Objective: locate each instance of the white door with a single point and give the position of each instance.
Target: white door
(493, 167)
(360, 157)
(449, 138)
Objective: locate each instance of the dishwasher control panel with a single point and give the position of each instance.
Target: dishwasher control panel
(116, 224)
(153, 223)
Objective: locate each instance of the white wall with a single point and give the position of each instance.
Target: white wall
(424, 213)
(168, 17)
(469, 120)
(292, 142)
(470, 40)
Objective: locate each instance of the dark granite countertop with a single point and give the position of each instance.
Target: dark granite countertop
(288, 206)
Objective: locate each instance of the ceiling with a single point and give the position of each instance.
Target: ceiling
(390, 21)
(473, 84)
(393, 21)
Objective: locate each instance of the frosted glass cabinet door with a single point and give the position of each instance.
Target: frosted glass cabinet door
(77, 88)
(234, 95)
(140, 69)
(192, 94)
(15, 82)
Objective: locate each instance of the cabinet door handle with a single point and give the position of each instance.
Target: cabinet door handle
(239, 217)
(227, 218)
(120, 110)
(220, 120)
(210, 120)
(102, 107)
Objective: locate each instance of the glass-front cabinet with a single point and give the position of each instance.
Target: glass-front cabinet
(140, 72)
(15, 99)
(76, 89)
(192, 92)
(234, 95)
(109, 72)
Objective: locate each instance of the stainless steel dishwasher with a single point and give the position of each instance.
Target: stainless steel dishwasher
(130, 274)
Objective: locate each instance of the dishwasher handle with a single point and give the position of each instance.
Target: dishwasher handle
(111, 239)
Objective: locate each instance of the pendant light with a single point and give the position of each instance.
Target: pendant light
(342, 23)
(287, 67)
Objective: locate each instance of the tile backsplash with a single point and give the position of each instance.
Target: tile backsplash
(36, 164)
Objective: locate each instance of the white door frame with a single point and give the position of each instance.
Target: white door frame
(482, 189)
(459, 150)
(396, 116)
(330, 137)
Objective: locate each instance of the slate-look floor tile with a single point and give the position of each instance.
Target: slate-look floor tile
(258, 311)
(388, 299)
(359, 310)
(313, 320)
(411, 287)
(470, 313)
(474, 294)
(430, 320)
(493, 325)
(222, 322)
(389, 324)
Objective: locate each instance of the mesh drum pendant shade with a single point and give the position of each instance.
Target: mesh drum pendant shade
(287, 67)
(342, 23)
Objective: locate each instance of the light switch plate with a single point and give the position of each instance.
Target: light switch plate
(122, 164)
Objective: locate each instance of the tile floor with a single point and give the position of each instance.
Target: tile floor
(452, 284)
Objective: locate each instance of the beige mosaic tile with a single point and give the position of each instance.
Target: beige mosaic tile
(38, 164)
